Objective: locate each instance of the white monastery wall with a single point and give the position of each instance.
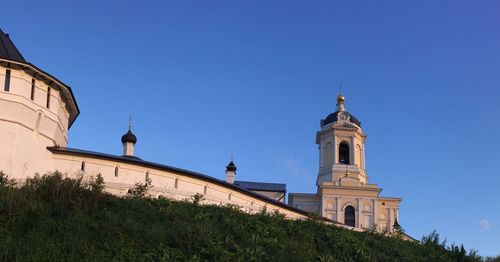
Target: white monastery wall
(167, 184)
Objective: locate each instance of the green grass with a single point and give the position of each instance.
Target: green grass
(52, 218)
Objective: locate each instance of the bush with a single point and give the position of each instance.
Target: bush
(140, 189)
(5, 181)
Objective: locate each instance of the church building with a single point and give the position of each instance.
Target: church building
(344, 193)
(37, 110)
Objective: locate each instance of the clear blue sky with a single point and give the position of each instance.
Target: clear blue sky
(205, 80)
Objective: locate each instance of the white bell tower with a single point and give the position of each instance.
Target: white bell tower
(344, 194)
(341, 148)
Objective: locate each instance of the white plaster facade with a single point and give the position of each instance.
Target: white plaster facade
(120, 176)
(342, 180)
(28, 123)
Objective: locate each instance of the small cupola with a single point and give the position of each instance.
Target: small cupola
(230, 172)
(128, 141)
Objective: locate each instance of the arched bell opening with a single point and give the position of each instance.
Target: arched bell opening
(344, 153)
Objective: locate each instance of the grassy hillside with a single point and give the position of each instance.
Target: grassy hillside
(51, 218)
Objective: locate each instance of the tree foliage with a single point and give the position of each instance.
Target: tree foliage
(140, 189)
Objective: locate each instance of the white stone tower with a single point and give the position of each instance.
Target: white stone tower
(344, 194)
(36, 112)
(341, 147)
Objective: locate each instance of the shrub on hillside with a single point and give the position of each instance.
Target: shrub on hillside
(5, 181)
(140, 189)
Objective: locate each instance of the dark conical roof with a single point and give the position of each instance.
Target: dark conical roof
(8, 50)
(129, 137)
(231, 167)
(334, 116)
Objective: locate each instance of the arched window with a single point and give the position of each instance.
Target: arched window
(229, 196)
(146, 177)
(344, 153)
(205, 190)
(176, 183)
(116, 171)
(82, 167)
(349, 216)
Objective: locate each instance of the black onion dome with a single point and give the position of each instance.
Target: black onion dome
(334, 116)
(129, 137)
(231, 167)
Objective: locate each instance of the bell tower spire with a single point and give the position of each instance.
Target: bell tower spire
(340, 100)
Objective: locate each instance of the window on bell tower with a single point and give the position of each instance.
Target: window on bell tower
(344, 153)
(350, 216)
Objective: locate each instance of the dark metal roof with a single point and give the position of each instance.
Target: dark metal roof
(260, 186)
(140, 162)
(8, 50)
(333, 118)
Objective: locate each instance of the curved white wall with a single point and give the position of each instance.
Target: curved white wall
(27, 126)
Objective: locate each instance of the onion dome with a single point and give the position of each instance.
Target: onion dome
(231, 167)
(340, 98)
(129, 137)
